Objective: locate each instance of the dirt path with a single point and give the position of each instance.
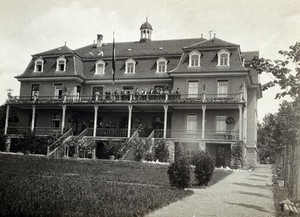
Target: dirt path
(241, 194)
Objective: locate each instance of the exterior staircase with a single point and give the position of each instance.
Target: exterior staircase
(56, 149)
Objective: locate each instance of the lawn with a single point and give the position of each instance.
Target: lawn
(36, 186)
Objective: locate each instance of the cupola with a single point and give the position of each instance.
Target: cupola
(146, 31)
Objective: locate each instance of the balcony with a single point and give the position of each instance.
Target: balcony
(130, 98)
(181, 134)
(38, 131)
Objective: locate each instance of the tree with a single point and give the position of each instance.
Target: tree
(288, 80)
(287, 121)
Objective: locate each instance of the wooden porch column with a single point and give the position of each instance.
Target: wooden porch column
(241, 122)
(33, 118)
(165, 121)
(6, 120)
(63, 119)
(129, 120)
(203, 121)
(95, 120)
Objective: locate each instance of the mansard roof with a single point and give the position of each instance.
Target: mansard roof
(56, 51)
(210, 43)
(131, 49)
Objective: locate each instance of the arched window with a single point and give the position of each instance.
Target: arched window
(130, 66)
(194, 59)
(61, 64)
(223, 58)
(100, 67)
(39, 65)
(161, 65)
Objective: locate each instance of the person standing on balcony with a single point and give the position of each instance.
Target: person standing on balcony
(116, 95)
(136, 94)
(177, 93)
(122, 95)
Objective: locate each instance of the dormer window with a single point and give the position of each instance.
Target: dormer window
(223, 57)
(61, 64)
(100, 67)
(39, 65)
(194, 59)
(161, 65)
(130, 66)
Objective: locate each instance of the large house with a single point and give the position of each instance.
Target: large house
(198, 92)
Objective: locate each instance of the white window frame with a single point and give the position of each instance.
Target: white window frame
(97, 71)
(127, 62)
(56, 118)
(161, 61)
(62, 58)
(56, 91)
(221, 126)
(193, 91)
(196, 54)
(221, 90)
(39, 60)
(220, 61)
(191, 127)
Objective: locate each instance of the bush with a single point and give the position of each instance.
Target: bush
(31, 144)
(2, 142)
(112, 148)
(179, 153)
(149, 156)
(179, 174)
(137, 147)
(161, 151)
(204, 167)
(237, 156)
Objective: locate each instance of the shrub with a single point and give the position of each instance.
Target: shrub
(179, 174)
(179, 153)
(204, 167)
(237, 156)
(31, 144)
(2, 142)
(161, 151)
(149, 156)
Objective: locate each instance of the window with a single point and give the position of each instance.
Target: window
(55, 121)
(193, 89)
(161, 65)
(130, 66)
(221, 124)
(223, 88)
(100, 67)
(39, 65)
(223, 57)
(191, 148)
(191, 123)
(35, 90)
(194, 59)
(61, 64)
(58, 91)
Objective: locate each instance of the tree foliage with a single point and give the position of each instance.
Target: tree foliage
(277, 131)
(287, 79)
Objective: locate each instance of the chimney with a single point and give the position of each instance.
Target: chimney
(214, 35)
(99, 40)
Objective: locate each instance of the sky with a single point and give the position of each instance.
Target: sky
(32, 26)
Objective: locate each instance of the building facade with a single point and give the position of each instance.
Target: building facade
(198, 92)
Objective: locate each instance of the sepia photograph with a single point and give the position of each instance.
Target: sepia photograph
(145, 108)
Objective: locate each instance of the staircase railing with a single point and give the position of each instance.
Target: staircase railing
(58, 143)
(134, 136)
(149, 140)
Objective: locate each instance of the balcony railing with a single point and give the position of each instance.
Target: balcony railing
(129, 98)
(196, 134)
(38, 131)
